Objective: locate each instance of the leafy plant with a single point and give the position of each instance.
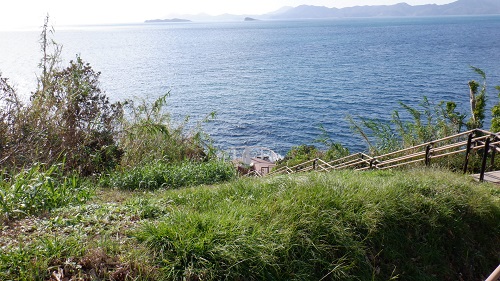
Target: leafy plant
(378, 136)
(426, 123)
(299, 154)
(330, 150)
(38, 189)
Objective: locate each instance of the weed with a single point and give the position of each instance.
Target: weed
(40, 189)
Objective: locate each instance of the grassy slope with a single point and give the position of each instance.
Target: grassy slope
(416, 225)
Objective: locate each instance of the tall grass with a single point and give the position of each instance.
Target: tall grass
(39, 189)
(158, 175)
(149, 134)
(429, 121)
(417, 225)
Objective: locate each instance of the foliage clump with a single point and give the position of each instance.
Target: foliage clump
(70, 119)
(495, 113)
(161, 175)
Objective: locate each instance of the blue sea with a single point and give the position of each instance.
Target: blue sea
(273, 83)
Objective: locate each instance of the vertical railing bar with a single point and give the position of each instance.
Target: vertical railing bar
(467, 152)
(428, 154)
(485, 156)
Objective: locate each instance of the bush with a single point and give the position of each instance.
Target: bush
(303, 153)
(429, 121)
(299, 154)
(495, 113)
(67, 119)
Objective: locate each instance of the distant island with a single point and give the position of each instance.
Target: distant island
(250, 19)
(167, 20)
(457, 8)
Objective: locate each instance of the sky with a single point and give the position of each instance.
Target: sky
(15, 14)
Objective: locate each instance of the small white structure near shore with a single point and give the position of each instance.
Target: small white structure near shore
(254, 159)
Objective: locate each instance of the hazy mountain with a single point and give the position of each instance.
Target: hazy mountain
(281, 10)
(460, 7)
(472, 7)
(167, 20)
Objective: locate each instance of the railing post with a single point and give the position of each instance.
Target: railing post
(485, 156)
(467, 151)
(428, 154)
(314, 164)
(492, 163)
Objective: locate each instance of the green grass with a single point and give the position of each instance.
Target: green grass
(170, 176)
(423, 224)
(83, 242)
(341, 226)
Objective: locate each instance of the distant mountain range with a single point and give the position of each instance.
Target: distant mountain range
(460, 7)
(457, 8)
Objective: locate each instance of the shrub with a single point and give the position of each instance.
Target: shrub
(334, 150)
(477, 100)
(428, 122)
(68, 118)
(301, 153)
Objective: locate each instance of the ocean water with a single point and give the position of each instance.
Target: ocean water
(273, 83)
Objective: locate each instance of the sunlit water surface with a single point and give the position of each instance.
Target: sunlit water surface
(272, 83)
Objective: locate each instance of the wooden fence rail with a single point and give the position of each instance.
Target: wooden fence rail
(465, 142)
